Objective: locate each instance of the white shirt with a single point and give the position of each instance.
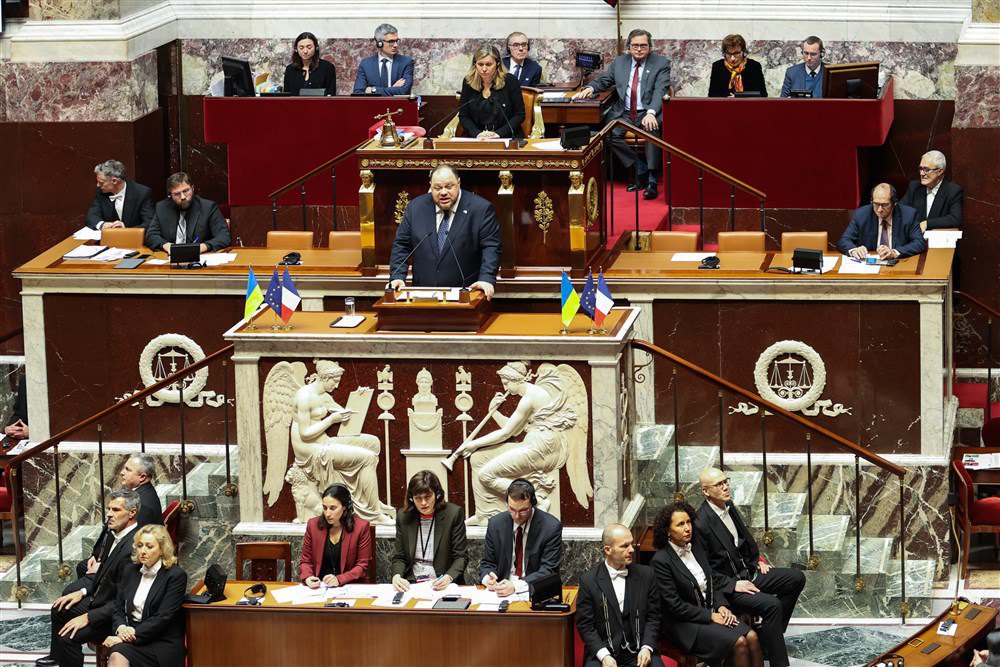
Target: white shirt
(687, 557)
(439, 213)
(818, 70)
(142, 592)
(423, 550)
(931, 194)
(727, 521)
(388, 67)
(628, 87)
(119, 203)
(520, 585)
(618, 583)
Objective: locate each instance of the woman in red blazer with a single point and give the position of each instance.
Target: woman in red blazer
(337, 546)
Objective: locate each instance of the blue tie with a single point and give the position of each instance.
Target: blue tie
(384, 74)
(443, 231)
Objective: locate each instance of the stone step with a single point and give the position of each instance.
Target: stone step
(875, 555)
(829, 538)
(693, 459)
(744, 486)
(652, 441)
(217, 477)
(784, 510)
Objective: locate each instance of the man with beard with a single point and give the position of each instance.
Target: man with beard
(184, 217)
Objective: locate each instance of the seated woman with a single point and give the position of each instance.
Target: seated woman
(307, 69)
(695, 617)
(337, 546)
(491, 105)
(430, 536)
(148, 620)
(736, 73)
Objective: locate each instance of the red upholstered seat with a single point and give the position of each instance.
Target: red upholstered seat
(6, 497)
(986, 512)
(973, 515)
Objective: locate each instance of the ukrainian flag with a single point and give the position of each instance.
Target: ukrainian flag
(570, 301)
(254, 296)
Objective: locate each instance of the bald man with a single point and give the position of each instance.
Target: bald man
(885, 228)
(618, 608)
(752, 585)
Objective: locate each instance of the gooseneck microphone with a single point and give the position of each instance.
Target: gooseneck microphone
(404, 265)
(451, 231)
(448, 117)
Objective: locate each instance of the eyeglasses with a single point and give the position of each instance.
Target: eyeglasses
(881, 204)
(390, 41)
(738, 54)
(518, 45)
(927, 170)
(719, 485)
(639, 47)
(180, 193)
(525, 512)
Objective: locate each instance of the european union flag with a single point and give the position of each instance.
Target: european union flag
(588, 298)
(273, 295)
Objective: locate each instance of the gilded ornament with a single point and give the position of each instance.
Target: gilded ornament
(402, 201)
(813, 562)
(63, 571)
(364, 163)
(592, 202)
(575, 164)
(543, 213)
(768, 538)
(859, 584)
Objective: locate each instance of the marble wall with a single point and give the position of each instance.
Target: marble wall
(78, 10)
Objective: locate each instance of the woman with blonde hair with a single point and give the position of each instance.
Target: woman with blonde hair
(148, 621)
(491, 105)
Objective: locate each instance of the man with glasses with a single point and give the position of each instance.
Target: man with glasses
(751, 584)
(387, 72)
(184, 217)
(525, 70)
(522, 545)
(937, 200)
(641, 79)
(808, 74)
(118, 202)
(885, 229)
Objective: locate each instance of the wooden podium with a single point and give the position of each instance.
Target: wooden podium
(468, 314)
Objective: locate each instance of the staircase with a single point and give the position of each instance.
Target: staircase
(829, 591)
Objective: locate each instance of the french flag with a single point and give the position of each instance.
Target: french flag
(289, 297)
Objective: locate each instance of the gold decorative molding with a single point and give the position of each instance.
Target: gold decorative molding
(593, 202)
(366, 215)
(505, 216)
(523, 162)
(543, 213)
(402, 201)
(576, 204)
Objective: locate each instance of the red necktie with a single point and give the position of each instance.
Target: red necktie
(633, 107)
(518, 551)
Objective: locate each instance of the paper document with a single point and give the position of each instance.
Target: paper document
(217, 259)
(425, 591)
(87, 234)
(547, 145)
(424, 604)
(556, 95)
(300, 594)
(85, 251)
(942, 238)
(485, 606)
(483, 596)
(950, 632)
(853, 266)
(981, 461)
(112, 255)
(361, 591)
(155, 262)
(691, 256)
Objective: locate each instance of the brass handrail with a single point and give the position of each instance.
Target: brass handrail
(842, 442)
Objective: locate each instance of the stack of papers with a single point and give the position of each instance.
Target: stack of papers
(113, 255)
(300, 594)
(87, 234)
(942, 238)
(981, 461)
(553, 95)
(85, 251)
(547, 145)
(851, 265)
(217, 259)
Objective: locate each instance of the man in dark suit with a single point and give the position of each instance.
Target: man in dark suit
(522, 545)
(119, 202)
(808, 74)
(890, 228)
(17, 425)
(618, 607)
(751, 584)
(937, 200)
(452, 236)
(641, 80)
(387, 72)
(184, 217)
(525, 70)
(83, 612)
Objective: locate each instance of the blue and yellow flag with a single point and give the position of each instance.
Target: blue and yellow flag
(570, 301)
(254, 296)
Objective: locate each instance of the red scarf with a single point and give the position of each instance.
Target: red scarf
(736, 75)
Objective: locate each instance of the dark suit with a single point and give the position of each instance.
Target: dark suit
(150, 512)
(531, 71)
(471, 251)
(641, 614)
(449, 542)
(779, 588)
(655, 82)
(98, 604)
(863, 231)
(369, 74)
(686, 618)
(946, 210)
(159, 636)
(356, 550)
(20, 403)
(503, 111)
(137, 211)
(753, 79)
(796, 78)
(204, 222)
(542, 549)
(323, 77)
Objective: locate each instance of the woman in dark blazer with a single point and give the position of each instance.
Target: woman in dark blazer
(695, 617)
(337, 546)
(491, 105)
(736, 73)
(430, 536)
(307, 69)
(148, 620)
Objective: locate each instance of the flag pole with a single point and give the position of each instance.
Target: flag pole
(618, 16)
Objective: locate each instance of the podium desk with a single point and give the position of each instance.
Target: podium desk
(581, 112)
(222, 634)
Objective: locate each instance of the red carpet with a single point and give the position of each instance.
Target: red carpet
(652, 213)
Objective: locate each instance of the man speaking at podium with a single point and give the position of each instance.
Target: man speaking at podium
(452, 236)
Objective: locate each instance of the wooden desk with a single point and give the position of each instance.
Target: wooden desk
(223, 634)
(970, 635)
(584, 112)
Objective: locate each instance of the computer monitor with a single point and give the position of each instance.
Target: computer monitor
(239, 79)
(589, 61)
(850, 81)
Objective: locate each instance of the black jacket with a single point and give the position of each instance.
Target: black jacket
(681, 601)
(504, 110)
(753, 79)
(204, 224)
(162, 621)
(542, 551)
(102, 586)
(137, 210)
(323, 77)
(947, 208)
(642, 609)
(727, 560)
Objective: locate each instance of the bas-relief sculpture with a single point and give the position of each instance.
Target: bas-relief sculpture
(425, 415)
(302, 410)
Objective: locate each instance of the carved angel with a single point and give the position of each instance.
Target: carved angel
(301, 410)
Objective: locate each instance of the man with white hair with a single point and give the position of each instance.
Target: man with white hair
(937, 200)
(118, 201)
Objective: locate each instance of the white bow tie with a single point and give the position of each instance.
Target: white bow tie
(118, 197)
(619, 574)
(686, 550)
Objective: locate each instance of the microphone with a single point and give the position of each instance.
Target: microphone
(510, 127)
(404, 264)
(448, 117)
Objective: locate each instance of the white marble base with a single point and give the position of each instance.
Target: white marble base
(427, 459)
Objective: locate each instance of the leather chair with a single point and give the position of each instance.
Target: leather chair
(741, 241)
(289, 240)
(809, 240)
(264, 558)
(345, 240)
(673, 241)
(972, 515)
(7, 507)
(128, 237)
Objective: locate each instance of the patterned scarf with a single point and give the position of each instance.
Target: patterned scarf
(736, 75)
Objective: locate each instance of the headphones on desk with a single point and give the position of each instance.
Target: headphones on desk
(255, 594)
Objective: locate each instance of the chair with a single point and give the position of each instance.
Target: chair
(972, 515)
(264, 558)
(289, 240)
(741, 241)
(127, 237)
(7, 508)
(345, 240)
(680, 657)
(673, 241)
(171, 521)
(809, 240)
(638, 141)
